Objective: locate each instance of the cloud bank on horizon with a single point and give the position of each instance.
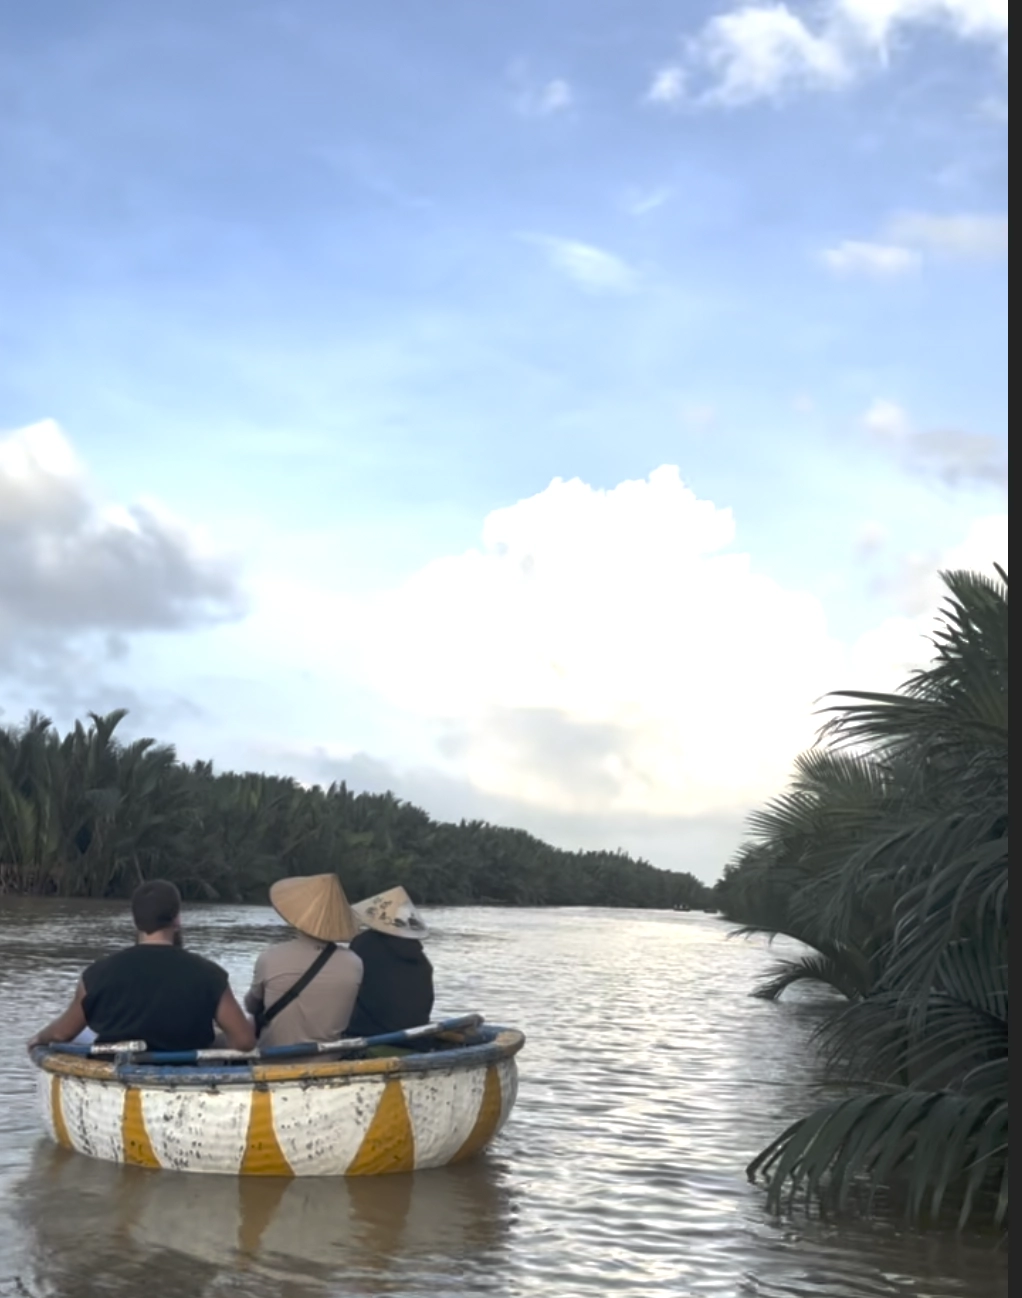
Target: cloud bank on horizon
(600, 658)
(542, 446)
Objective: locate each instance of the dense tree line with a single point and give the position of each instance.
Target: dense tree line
(887, 857)
(85, 815)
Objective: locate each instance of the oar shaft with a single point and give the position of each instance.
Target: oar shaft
(94, 1051)
(346, 1045)
(136, 1050)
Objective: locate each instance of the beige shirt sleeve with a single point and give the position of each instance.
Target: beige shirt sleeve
(254, 995)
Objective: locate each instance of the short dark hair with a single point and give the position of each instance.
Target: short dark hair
(155, 904)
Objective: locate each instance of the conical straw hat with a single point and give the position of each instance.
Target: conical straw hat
(391, 912)
(315, 905)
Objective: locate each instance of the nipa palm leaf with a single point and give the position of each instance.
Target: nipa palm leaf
(937, 1144)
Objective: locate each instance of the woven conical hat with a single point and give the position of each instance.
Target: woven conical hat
(315, 905)
(391, 912)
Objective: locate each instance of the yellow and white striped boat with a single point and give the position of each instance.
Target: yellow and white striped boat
(263, 1115)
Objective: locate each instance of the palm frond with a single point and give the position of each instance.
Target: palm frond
(844, 971)
(936, 1143)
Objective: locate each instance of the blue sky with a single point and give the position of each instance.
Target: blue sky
(316, 289)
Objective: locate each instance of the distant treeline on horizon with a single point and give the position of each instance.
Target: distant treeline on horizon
(85, 815)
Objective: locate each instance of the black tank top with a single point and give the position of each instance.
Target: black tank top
(162, 995)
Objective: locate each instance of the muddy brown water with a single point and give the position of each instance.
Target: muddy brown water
(649, 1078)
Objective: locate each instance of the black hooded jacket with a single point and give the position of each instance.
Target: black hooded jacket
(397, 985)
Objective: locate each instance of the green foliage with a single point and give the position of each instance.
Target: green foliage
(888, 857)
(939, 1141)
(84, 815)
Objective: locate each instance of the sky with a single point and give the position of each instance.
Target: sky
(533, 407)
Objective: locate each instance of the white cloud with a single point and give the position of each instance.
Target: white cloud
(72, 566)
(985, 542)
(914, 584)
(887, 419)
(554, 96)
(592, 268)
(640, 202)
(533, 98)
(667, 86)
(912, 237)
(952, 456)
(875, 21)
(595, 651)
(759, 51)
(604, 653)
(960, 235)
(860, 257)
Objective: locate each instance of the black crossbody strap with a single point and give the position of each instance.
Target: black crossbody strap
(294, 991)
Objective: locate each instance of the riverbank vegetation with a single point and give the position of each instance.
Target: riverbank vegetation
(85, 815)
(888, 858)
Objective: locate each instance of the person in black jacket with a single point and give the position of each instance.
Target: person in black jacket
(397, 980)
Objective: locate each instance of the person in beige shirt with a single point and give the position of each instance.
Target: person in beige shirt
(316, 908)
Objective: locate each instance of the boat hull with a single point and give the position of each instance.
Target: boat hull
(321, 1117)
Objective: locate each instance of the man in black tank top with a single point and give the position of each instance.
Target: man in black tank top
(154, 991)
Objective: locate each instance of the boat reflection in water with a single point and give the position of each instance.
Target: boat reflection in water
(101, 1228)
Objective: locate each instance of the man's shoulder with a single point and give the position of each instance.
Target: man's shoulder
(203, 964)
(344, 969)
(106, 964)
(288, 947)
(349, 958)
(279, 957)
(141, 952)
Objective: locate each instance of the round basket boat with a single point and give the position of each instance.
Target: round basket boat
(258, 1115)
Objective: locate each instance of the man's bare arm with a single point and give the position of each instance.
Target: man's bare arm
(232, 1022)
(67, 1025)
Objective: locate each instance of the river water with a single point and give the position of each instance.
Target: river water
(648, 1080)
